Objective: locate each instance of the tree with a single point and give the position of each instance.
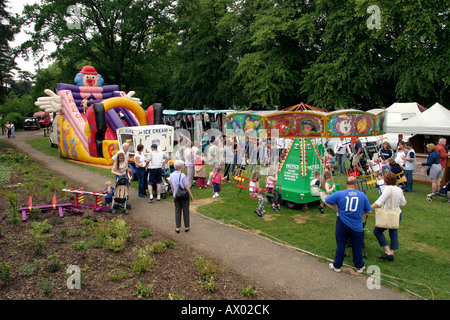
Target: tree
(8, 27)
(200, 77)
(405, 59)
(350, 66)
(111, 35)
(273, 51)
(419, 35)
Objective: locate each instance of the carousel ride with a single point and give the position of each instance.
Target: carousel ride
(306, 127)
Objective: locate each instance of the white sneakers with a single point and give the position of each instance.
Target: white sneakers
(216, 195)
(333, 268)
(358, 270)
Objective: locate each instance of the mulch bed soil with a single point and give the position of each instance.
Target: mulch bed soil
(30, 272)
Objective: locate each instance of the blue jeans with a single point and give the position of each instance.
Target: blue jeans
(393, 234)
(141, 176)
(341, 162)
(343, 232)
(409, 180)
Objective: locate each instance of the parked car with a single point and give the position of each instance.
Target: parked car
(31, 123)
(44, 118)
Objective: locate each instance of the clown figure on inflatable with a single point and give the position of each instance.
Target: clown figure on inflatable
(88, 115)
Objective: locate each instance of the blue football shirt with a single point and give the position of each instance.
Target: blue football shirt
(351, 206)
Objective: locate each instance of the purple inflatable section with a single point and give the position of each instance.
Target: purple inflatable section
(97, 95)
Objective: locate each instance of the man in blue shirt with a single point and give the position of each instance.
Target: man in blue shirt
(350, 204)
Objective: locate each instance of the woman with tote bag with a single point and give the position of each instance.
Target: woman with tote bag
(182, 196)
(392, 198)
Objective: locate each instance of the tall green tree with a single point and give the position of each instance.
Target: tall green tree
(201, 78)
(8, 28)
(362, 67)
(350, 66)
(419, 33)
(112, 35)
(272, 52)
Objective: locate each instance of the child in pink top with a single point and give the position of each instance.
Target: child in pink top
(216, 179)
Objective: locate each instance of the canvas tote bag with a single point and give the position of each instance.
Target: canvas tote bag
(387, 218)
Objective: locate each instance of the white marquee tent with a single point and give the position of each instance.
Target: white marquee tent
(404, 110)
(433, 121)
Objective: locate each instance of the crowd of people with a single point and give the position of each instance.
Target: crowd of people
(350, 204)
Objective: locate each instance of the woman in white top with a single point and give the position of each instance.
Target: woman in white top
(141, 164)
(399, 200)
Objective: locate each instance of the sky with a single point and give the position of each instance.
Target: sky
(16, 6)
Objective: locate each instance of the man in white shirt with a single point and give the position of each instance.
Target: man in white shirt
(155, 162)
(340, 149)
(125, 149)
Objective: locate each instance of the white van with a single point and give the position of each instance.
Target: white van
(161, 135)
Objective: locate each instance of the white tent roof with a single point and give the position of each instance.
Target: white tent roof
(406, 107)
(433, 121)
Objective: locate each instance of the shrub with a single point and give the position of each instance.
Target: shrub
(249, 291)
(112, 234)
(5, 271)
(207, 270)
(143, 260)
(144, 290)
(39, 231)
(54, 262)
(205, 266)
(145, 234)
(117, 274)
(5, 174)
(209, 284)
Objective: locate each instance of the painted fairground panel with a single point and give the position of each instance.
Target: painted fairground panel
(297, 124)
(244, 124)
(381, 123)
(350, 123)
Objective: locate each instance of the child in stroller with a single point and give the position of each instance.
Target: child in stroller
(443, 192)
(120, 199)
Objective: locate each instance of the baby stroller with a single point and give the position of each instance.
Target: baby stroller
(120, 199)
(443, 192)
(165, 185)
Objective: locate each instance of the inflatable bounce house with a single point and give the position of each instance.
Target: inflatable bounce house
(88, 115)
(304, 126)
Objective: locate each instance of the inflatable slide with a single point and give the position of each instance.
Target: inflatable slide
(88, 115)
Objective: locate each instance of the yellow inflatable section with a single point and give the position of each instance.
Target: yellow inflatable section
(127, 104)
(71, 147)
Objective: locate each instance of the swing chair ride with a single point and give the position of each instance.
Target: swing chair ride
(306, 127)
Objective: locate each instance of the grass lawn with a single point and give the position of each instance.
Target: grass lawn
(421, 266)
